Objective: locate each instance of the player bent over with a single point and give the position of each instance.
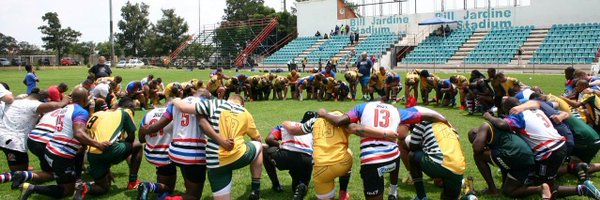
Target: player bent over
(294, 153)
(64, 152)
(156, 149)
(117, 127)
(186, 149)
(230, 120)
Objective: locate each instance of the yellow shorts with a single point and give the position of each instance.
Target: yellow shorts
(324, 177)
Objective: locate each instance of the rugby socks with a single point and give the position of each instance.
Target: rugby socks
(581, 189)
(344, 180)
(470, 105)
(28, 175)
(5, 177)
(394, 190)
(419, 187)
(53, 191)
(152, 187)
(133, 177)
(256, 185)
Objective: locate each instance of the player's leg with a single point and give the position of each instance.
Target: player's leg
(19, 177)
(482, 162)
(67, 171)
(134, 160)
(255, 148)
(194, 177)
(373, 178)
(220, 182)
(393, 194)
(166, 177)
(269, 156)
(417, 173)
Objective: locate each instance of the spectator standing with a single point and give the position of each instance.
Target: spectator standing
(100, 70)
(304, 61)
(326, 36)
(320, 65)
(56, 92)
(351, 39)
(31, 78)
(318, 34)
(364, 65)
(337, 29)
(347, 29)
(343, 29)
(356, 37)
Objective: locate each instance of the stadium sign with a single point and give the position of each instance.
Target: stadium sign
(480, 19)
(372, 25)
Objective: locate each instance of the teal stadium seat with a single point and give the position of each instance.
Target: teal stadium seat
(569, 43)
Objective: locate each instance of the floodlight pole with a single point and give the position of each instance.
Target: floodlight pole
(112, 41)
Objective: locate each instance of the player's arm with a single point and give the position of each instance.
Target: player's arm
(496, 122)
(271, 139)
(152, 128)
(50, 106)
(8, 99)
(574, 104)
(333, 119)
(184, 107)
(433, 118)
(560, 117)
(367, 131)
(84, 138)
(207, 129)
(525, 106)
(479, 140)
(293, 128)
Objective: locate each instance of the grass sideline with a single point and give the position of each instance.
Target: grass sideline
(268, 114)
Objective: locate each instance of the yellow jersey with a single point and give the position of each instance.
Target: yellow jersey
(461, 81)
(293, 78)
(215, 83)
(112, 126)
(233, 122)
(510, 83)
(330, 143)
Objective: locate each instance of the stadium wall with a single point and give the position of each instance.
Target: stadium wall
(321, 15)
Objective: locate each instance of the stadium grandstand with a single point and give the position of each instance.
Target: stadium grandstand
(543, 35)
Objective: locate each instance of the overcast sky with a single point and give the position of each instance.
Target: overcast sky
(20, 18)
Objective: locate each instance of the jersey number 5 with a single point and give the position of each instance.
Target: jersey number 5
(185, 119)
(382, 121)
(59, 122)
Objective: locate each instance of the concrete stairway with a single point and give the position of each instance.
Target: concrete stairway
(467, 47)
(304, 53)
(533, 42)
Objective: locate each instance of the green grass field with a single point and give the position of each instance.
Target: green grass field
(268, 114)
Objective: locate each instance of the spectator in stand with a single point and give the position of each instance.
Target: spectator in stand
(55, 92)
(337, 30)
(325, 36)
(318, 34)
(31, 79)
(447, 30)
(347, 29)
(320, 64)
(100, 70)
(304, 61)
(342, 29)
(356, 37)
(352, 39)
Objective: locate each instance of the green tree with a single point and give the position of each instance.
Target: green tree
(133, 27)
(198, 51)
(57, 38)
(25, 48)
(7, 44)
(167, 34)
(84, 49)
(103, 49)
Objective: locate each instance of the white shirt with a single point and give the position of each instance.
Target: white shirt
(3, 92)
(101, 90)
(19, 120)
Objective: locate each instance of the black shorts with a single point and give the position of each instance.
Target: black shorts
(507, 165)
(65, 170)
(193, 173)
(292, 87)
(38, 148)
(300, 165)
(372, 176)
(547, 169)
(15, 158)
(167, 170)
